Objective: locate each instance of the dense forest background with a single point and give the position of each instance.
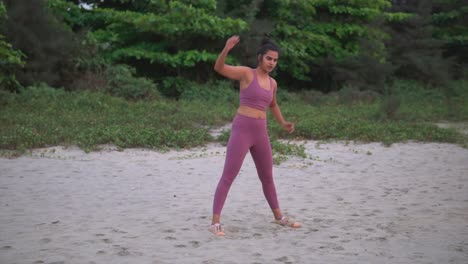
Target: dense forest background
(137, 48)
(139, 73)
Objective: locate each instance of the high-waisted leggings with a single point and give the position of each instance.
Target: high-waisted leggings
(247, 134)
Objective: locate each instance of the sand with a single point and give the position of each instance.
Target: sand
(358, 203)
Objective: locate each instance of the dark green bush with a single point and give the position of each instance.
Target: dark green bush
(219, 91)
(121, 81)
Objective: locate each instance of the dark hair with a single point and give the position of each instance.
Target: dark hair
(267, 45)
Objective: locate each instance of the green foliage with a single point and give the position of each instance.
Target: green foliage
(325, 45)
(10, 59)
(178, 20)
(393, 17)
(174, 86)
(409, 112)
(350, 95)
(390, 103)
(48, 45)
(2, 10)
(160, 38)
(431, 104)
(283, 150)
(217, 92)
(308, 30)
(69, 13)
(414, 52)
(42, 116)
(181, 88)
(152, 53)
(181, 39)
(449, 20)
(122, 82)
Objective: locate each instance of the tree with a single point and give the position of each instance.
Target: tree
(10, 59)
(316, 37)
(414, 52)
(450, 20)
(161, 39)
(49, 47)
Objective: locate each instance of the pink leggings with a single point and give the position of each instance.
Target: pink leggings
(247, 134)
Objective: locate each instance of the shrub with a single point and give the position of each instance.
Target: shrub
(219, 91)
(122, 82)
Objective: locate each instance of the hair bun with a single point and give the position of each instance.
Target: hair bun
(266, 40)
(267, 44)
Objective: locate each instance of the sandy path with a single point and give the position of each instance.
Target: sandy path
(359, 203)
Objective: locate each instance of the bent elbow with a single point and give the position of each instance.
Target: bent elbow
(217, 68)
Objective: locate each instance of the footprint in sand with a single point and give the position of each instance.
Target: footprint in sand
(106, 240)
(257, 235)
(311, 230)
(338, 248)
(115, 230)
(195, 244)
(283, 259)
(45, 240)
(457, 248)
(235, 229)
(121, 251)
(131, 237)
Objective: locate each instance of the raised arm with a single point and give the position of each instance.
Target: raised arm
(276, 111)
(238, 73)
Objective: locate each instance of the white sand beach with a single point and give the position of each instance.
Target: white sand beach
(358, 203)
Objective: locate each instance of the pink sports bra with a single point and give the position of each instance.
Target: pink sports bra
(255, 96)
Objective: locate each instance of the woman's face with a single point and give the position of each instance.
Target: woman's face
(269, 60)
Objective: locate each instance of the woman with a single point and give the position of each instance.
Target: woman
(249, 128)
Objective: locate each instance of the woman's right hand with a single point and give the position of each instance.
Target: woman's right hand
(231, 42)
(288, 126)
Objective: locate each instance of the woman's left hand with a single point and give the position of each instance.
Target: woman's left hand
(288, 126)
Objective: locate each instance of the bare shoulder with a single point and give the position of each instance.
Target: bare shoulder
(247, 71)
(248, 76)
(273, 81)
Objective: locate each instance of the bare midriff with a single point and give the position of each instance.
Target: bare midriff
(251, 112)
